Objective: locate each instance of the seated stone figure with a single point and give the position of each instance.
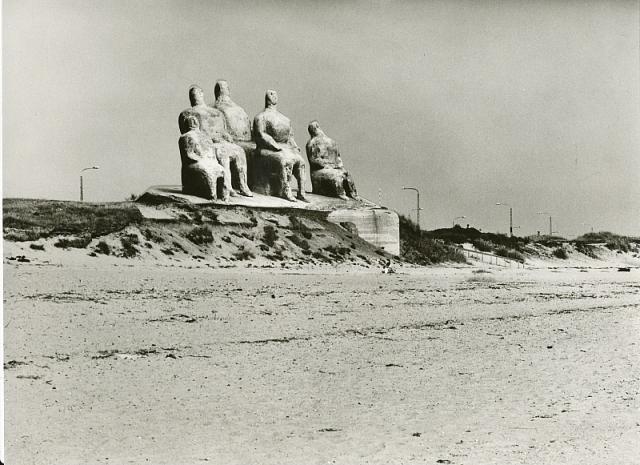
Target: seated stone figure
(238, 126)
(200, 168)
(231, 156)
(278, 155)
(328, 176)
(238, 122)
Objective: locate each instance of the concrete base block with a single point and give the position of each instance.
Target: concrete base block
(379, 226)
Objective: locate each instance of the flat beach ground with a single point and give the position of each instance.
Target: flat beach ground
(116, 364)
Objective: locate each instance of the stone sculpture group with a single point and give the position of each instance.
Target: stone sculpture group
(223, 154)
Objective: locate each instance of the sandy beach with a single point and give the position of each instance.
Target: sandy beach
(118, 363)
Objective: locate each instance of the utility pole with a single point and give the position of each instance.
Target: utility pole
(417, 201)
(550, 222)
(510, 216)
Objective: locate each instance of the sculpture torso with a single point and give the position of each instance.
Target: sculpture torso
(275, 125)
(322, 152)
(212, 121)
(238, 123)
(194, 146)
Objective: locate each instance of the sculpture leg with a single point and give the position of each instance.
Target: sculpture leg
(350, 186)
(224, 160)
(240, 166)
(299, 171)
(286, 181)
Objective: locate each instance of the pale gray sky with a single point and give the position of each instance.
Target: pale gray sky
(536, 103)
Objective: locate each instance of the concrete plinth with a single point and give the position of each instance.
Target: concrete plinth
(379, 226)
(373, 223)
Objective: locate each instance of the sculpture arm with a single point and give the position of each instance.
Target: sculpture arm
(189, 149)
(225, 132)
(292, 141)
(262, 137)
(316, 161)
(339, 160)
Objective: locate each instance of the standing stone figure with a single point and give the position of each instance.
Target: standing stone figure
(278, 154)
(231, 156)
(200, 168)
(328, 176)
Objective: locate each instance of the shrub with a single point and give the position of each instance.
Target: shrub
(200, 235)
(503, 251)
(37, 246)
(133, 238)
(426, 251)
(150, 235)
(299, 226)
(300, 242)
(103, 248)
(270, 235)
(73, 242)
(483, 246)
(586, 249)
(243, 254)
(45, 218)
(560, 252)
(339, 251)
(128, 247)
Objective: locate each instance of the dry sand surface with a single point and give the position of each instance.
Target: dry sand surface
(119, 363)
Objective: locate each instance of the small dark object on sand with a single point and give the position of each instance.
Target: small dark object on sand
(386, 268)
(417, 435)
(624, 268)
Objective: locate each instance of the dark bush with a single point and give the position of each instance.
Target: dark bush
(128, 248)
(418, 248)
(483, 246)
(150, 235)
(586, 249)
(300, 242)
(73, 242)
(243, 254)
(37, 246)
(503, 251)
(560, 252)
(270, 235)
(103, 248)
(200, 235)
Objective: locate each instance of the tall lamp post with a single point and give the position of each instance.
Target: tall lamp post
(458, 218)
(417, 201)
(550, 221)
(510, 216)
(81, 184)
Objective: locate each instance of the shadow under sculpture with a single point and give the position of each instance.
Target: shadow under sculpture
(201, 171)
(230, 155)
(278, 156)
(328, 176)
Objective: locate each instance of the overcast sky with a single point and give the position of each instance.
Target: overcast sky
(535, 104)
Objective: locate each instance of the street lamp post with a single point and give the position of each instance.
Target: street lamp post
(550, 222)
(81, 183)
(510, 216)
(417, 201)
(458, 218)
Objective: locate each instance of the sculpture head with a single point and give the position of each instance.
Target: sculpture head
(191, 121)
(221, 89)
(270, 98)
(196, 96)
(314, 128)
